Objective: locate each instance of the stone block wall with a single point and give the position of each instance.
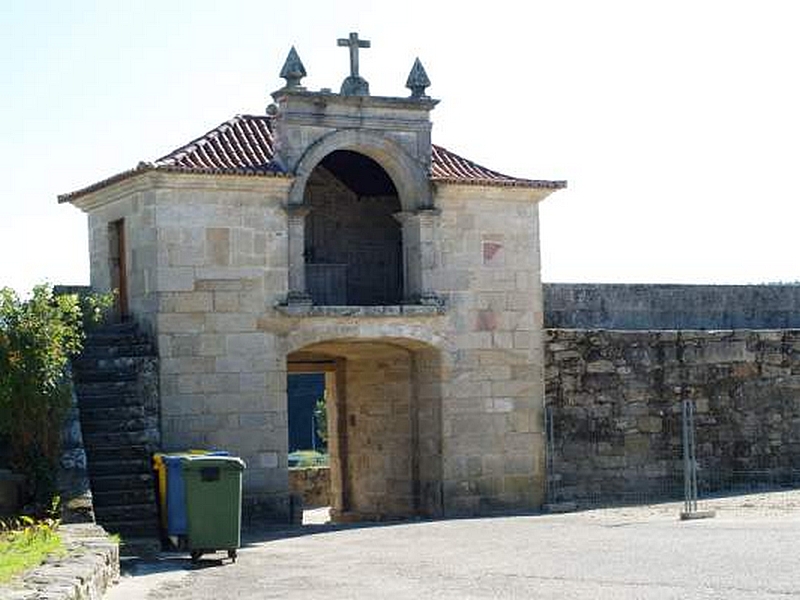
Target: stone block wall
(615, 399)
(379, 438)
(217, 271)
(136, 207)
(222, 262)
(485, 262)
(646, 307)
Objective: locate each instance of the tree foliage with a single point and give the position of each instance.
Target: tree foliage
(37, 338)
(321, 419)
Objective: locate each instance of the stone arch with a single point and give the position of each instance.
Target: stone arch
(410, 178)
(411, 336)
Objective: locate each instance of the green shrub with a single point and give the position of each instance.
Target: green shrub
(37, 338)
(321, 419)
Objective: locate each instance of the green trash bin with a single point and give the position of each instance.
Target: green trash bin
(213, 504)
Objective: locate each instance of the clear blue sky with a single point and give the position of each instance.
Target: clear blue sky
(676, 123)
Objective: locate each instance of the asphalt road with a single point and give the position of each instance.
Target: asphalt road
(746, 552)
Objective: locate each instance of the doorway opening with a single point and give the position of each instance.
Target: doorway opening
(383, 407)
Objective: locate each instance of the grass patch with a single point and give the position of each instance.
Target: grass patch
(27, 546)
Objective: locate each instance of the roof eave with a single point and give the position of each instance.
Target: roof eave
(103, 183)
(517, 183)
(149, 168)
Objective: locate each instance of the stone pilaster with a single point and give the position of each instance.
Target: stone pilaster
(298, 294)
(419, 253)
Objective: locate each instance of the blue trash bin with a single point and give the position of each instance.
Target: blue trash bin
(177, 522)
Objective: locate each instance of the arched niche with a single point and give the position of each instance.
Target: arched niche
(316, 273)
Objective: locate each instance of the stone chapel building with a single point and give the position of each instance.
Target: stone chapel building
(331, 236)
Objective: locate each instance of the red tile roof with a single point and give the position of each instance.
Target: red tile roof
(449, 167)
(244, 145)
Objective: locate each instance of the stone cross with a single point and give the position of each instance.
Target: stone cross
(354, 43)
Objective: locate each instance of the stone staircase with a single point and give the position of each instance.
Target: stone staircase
(116, 382)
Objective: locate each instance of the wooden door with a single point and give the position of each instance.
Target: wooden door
(118, 266)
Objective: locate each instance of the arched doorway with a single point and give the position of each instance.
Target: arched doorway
(384, 425)
(353, 244)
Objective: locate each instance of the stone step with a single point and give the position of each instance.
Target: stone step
(123, 512)
(123, 324)
(123, 496)
(103, 375)
(124, 481)
(135, 348)
(126, 326)
(119, 425)
(110, 453)
(115, 338)
(121, 363)
(99, 439)
(91, 413)
(140, 547)
(133, 528)
(87, 390)
(118, 430)
(139, 466)
(107, 401)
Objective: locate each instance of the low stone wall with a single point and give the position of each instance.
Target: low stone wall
(615, 401)
(313, 485)
(89, 567)
(661, 306)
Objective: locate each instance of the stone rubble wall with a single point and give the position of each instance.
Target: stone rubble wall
(647, 307)
(73, 475)
(313, 485)
(615, 398)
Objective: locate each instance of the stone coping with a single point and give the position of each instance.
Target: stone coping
(396, 310)
(87, 569)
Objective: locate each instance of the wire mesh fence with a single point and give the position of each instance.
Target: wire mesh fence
(596, 468)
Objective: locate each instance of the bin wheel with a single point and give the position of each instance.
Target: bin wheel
(232, 555)
(196, 554)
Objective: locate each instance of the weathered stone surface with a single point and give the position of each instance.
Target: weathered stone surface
(220, 273)
(73, 476)
(618, 433)
(313, 485)
(654, 307)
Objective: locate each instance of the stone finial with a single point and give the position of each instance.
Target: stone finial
(354, 85)
(418, 80)
(293, 71)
